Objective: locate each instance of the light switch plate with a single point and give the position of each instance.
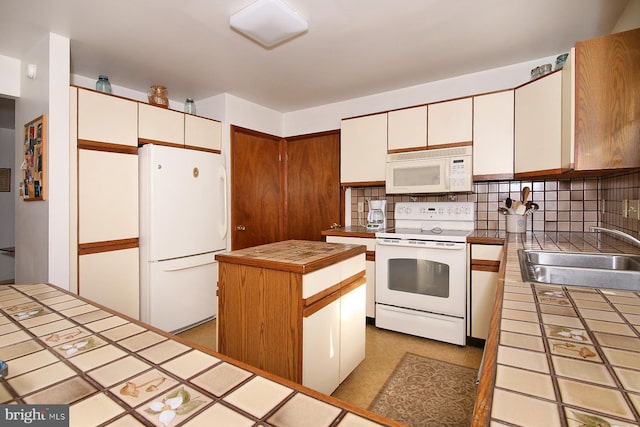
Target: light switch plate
(633, 209)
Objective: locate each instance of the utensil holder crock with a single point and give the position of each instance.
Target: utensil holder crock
(516, 223)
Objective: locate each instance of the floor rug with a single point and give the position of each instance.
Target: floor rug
(423, 392)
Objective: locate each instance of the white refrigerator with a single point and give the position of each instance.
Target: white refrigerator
(183, 225)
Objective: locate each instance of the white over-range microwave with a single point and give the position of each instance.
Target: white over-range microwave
(441, 170)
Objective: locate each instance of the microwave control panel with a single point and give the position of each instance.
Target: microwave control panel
(460, 173)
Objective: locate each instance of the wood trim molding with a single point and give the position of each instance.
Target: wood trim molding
(320, 300)
(86, 144)
(107, 246)
(363, 184)
(143, 141)
(484, 396)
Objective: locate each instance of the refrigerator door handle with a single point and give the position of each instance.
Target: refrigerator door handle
(222, 175)
(186, 267)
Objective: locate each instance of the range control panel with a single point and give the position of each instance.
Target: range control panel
(435, 211)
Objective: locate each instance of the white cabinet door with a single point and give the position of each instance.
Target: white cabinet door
(482, 289)
(321, 349)
(111, 279)
(370, 267)
(450, 122)
(407, 128)
(538, 126)
(107, 196)
(106, 118)
(160, 124)
(352, 330)
(493, 134)
(363, 149)
(202, 133)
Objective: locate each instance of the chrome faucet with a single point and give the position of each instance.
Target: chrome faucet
(616, 232)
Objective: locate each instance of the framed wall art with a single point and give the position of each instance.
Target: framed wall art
(34, 165)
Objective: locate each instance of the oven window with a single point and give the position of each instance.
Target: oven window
(419, 276)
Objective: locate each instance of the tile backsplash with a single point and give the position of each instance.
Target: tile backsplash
(565, 205)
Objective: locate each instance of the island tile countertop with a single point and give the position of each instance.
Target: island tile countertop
(351, 231)
(115, 371)
(561, 355)
(297, 256)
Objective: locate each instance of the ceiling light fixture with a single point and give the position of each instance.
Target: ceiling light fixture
(268, 22)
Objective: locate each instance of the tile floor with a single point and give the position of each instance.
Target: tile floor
(383, 352)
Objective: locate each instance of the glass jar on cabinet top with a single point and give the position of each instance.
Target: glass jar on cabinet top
(189, 106)
(103, 84)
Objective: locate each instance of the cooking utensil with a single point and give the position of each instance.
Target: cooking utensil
(521, 209)
(503, 211)
(525, 194)
(508, 202)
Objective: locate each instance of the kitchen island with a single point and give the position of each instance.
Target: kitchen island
(560, 355)
(115, 371)
(295, 309)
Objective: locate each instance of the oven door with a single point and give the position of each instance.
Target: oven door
(422, 275)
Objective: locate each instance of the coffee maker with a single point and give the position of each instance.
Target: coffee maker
(377, 217)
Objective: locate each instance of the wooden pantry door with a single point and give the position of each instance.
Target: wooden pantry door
(257, 215)
(283, 189)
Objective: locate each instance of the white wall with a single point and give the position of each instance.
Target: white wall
(327, 117)
(629, 19)
(42, 227)
(9, 76)
(7, 205)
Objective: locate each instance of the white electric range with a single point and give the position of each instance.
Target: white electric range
(421, 270)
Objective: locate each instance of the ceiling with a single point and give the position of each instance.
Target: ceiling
(353, 48)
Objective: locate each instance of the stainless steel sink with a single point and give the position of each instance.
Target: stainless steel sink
(600, 270)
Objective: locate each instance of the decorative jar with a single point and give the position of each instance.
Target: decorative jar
(103, 85)
(189, 106)
(158, 96)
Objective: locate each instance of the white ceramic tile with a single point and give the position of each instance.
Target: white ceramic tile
(93, 411)
(258, 396)
(222, 415)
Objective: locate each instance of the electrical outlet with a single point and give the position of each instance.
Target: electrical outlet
(625, 208)
(633, 209)
(360, 207)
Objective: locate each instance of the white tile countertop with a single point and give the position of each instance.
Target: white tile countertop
(561, 355)
(114, 371)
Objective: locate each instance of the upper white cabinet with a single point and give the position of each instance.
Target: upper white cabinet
(493, 135)
(201, 132)
(157, 124)
(539, 145)
(97, 114)
(407, 128)
(363, 149)
(450, 122)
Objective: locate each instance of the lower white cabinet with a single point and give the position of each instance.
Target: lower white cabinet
(334, 341)
(321, 349)
(370, 243)
(352, 330)
(483, 280)
(111, 279)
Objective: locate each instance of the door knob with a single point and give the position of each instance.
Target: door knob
(240, 227)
